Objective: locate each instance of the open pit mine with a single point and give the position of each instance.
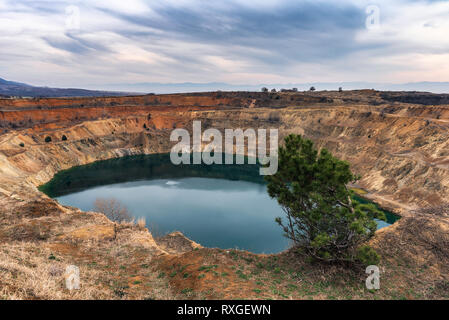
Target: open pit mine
(397, 142)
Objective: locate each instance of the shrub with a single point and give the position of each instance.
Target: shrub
(322, 219)
(47, 139)
(22, 144)
(112, 209)
(64, 138)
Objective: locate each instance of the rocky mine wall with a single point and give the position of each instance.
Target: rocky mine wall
(400, 150)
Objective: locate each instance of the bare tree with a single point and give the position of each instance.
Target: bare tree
(113, 209)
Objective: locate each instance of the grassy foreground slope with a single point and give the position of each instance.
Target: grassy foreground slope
(129, 264)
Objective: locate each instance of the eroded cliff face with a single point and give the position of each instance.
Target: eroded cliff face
(399, 149)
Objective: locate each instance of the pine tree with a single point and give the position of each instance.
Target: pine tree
(322, 219)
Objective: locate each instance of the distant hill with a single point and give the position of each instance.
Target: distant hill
(13, 89)
(156, 87)
(17, 89)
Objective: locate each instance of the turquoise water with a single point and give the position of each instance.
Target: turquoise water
(224, 206)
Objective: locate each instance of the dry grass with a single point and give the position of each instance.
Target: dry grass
(124, 261)
(120, 269)
(114, 258)
(141, 223)
(415, 253)
(29, 271)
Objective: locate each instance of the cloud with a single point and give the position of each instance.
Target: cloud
(234, 41)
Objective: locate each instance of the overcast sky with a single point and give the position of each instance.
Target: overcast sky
(94, 44)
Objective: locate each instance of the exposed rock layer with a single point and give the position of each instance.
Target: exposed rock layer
(400, 150)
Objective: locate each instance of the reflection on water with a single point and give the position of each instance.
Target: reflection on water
(223, 206)
(213, 212)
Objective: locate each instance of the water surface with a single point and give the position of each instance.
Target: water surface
(224, 206)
